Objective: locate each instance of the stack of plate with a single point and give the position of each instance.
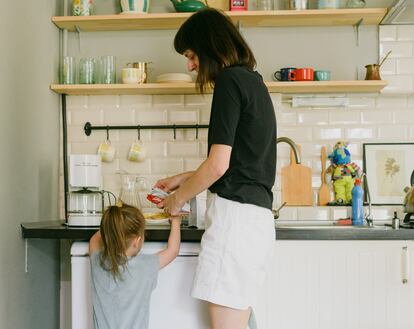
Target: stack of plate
(174, 77)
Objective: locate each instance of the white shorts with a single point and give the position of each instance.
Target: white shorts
(236, 249)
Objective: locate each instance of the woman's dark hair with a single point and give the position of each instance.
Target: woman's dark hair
(119, 225)
(217, 43)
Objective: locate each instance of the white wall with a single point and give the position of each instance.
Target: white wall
(29, 144)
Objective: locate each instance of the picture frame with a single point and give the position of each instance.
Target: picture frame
(388, 167)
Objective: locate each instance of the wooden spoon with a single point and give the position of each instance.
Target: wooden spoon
(324, 195)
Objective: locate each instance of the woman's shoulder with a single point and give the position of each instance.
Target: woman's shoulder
(236, 73)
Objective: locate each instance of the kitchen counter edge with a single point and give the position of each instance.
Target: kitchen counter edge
(57, 230)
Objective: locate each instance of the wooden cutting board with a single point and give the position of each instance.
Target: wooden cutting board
(296, 183)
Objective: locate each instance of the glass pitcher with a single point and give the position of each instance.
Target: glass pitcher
(131, 185)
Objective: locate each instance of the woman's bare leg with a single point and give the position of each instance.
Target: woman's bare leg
(223, 317)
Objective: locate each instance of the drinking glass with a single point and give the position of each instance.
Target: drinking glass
(264, 4)
(87, 70)
(68, 70)
(107, 72)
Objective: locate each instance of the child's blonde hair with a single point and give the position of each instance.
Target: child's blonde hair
(119, 225)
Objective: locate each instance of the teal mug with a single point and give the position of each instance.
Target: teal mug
(322, 75)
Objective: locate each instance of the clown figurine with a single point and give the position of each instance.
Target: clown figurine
(343, 172)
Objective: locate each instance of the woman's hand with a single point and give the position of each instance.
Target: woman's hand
(172, 183)
(172, 205)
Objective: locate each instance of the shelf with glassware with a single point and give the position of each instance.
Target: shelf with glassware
(185, 88)
(267, 18)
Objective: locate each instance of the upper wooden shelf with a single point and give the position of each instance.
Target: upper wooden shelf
(272, 18)
(304, 87)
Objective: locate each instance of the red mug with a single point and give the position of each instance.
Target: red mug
(304, 74)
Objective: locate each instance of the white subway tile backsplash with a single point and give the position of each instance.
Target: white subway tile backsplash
(167, 166)
(405, 65)
(344, 117)
(327, 133)
(313, 117)
(184, 149)
(299, 134)
(389, 66)
(168, 100)
(361, 102)
(76, 102)
(388, 33)
(276, 100)
(398, 84)
(135, 101)
(340, 212)
(360, 133)
(286, 118)
(104, 102)
(313, 213)
(376, 117)
(86, 115)
(204, 116)
(100, 136)
(203, 149)
(405, 33)
(391, 102)
(183, 117)
(151, 117)
(118, 117)
(410, 101)
(392, 133)
(135, 167)
(411, 133)
(192, 164)
(399, 49)
(131, 135)
(156, 149)
(404, 117)
(204, 100)
(288, 213)
(167, 135)
(109, 168)
(76, 134)
(190, 134)
(83, 148)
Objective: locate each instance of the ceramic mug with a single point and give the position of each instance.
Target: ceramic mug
(283, 74)
(302, 74)
(130, 75)
(135, 6)
(106, 151)
(137, 152)
(322, 75)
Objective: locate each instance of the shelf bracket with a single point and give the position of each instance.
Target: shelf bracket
(357, 30)
(78, 30)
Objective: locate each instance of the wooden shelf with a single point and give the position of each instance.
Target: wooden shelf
(362, 86)
(272, 18)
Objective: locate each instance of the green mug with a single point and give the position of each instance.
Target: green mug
(322, 75)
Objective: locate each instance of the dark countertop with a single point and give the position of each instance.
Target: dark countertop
(57, 230)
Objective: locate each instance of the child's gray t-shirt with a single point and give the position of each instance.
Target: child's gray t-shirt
(123, 303)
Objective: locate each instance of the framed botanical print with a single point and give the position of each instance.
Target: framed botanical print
(388, 167)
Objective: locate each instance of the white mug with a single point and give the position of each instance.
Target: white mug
(130, 75)
(137, 152)
(106, 151)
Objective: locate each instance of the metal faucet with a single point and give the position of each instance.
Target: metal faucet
(292, 145)
(368, 217)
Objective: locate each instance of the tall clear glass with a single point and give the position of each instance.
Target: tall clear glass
(68, 70)
(87, 71)
(107, 70)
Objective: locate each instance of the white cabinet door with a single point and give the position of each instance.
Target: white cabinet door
(171, 303)
(338, 284)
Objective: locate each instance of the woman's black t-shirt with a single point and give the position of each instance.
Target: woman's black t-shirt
(242, 116)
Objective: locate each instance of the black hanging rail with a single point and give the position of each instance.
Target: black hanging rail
(88, 127)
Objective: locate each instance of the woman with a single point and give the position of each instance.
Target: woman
(239, 171)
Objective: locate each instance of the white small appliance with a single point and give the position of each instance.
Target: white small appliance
(85, 198)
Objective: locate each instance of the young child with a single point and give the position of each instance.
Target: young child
(122, 278)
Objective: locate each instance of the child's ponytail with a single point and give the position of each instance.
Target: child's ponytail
(119, 224)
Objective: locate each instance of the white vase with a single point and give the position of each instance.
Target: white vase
(135, 6)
